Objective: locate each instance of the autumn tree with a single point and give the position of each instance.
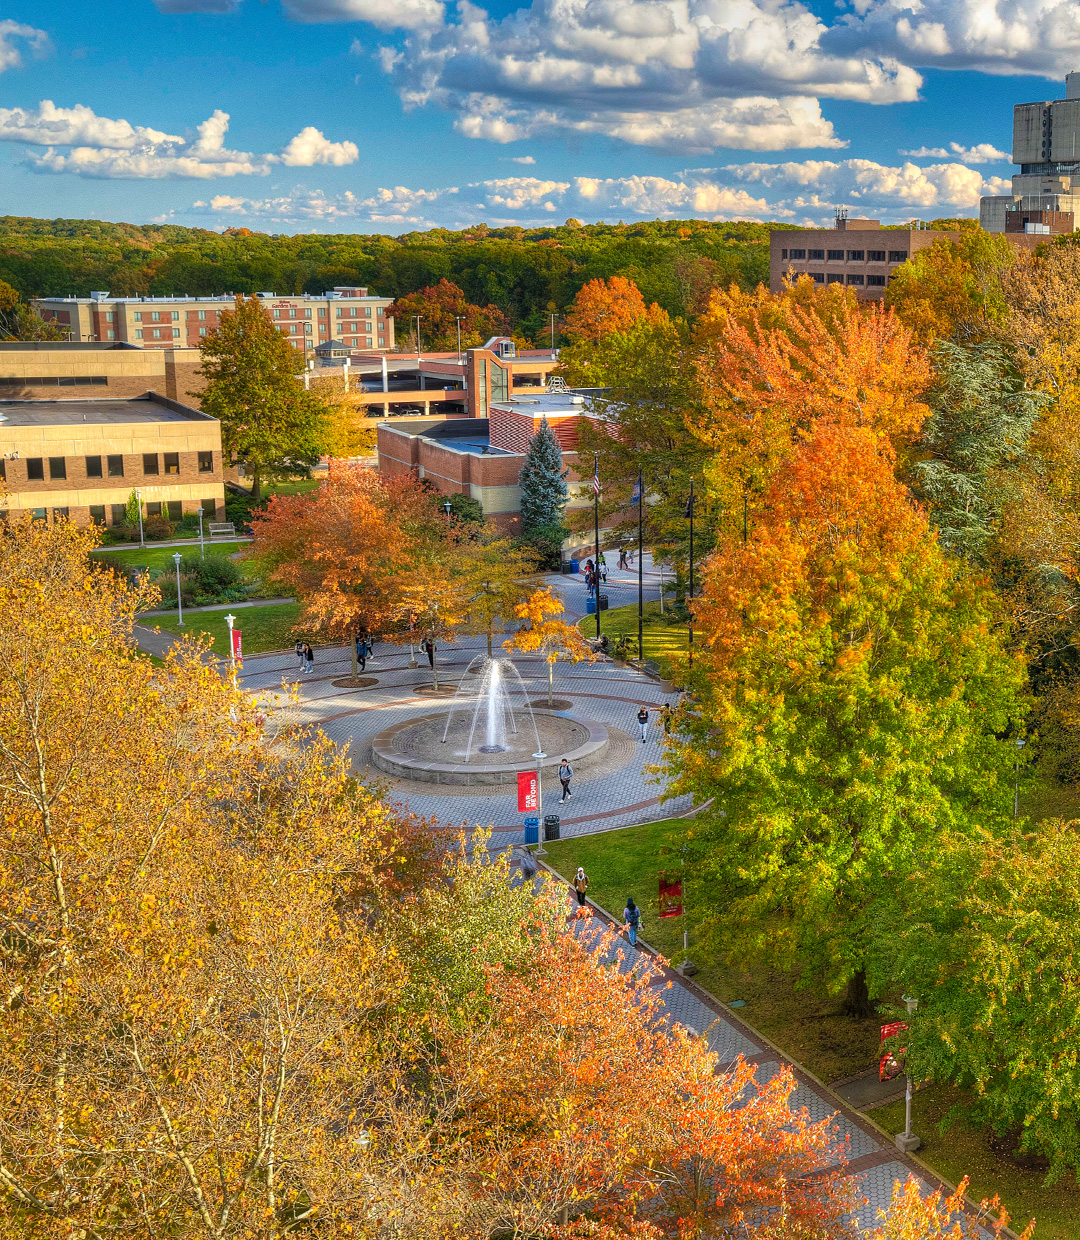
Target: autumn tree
(937, 1216)
(20, 321)
(855, 696)
(269, 423)
(605, 306)
(439, 307)
(545, 634)
(495, 576)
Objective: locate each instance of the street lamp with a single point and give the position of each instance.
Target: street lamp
(230, 620)
(446, 509)
(202, 544)
(540, 756)
(907, 1141)
(553, 337)
(457, 320)
(179, 600)
(417, 318)
(138, 497)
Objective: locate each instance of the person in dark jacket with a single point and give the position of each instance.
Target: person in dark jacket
(631, 916)
(309, 658)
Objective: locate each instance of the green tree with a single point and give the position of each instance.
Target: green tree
(439, 308)
(854, 692)
(981, 421)
(269, 423)
(544, 494)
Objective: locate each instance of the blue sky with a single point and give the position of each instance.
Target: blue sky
(390, 115)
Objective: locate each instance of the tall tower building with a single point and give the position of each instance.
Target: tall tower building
(1045, 194)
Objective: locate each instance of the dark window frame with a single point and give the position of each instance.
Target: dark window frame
(58, 468)
(93, 467)
(110, 464)
(898, 256)
(206, 462)
(171, 462)
(147, 458)
(856, 256)
(35, 469)
(875, 256)
(834, 256)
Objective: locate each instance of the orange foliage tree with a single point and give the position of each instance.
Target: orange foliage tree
(605, 306)
(911, 1216)
(439, 307)
(545, 634)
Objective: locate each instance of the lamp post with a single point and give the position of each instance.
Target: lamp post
(446, 509)
(138, 498)
(202, 544)
(179, 600)
(230, 620)
(417, 318)
(457, 320)
(640, 570)
(1016, 785)
(553, 337)
(907, 1141)
(690, 601)
(541, 851)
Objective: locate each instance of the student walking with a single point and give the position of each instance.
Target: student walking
(361, 654)
(601, 568)
(429, 650)
(581, 886)
(309, 658)
(643, 721)
(622, 558)
(299, 654)
(631, 916)
(566, 773)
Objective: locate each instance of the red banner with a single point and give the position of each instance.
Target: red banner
(527, 784)
(238, 647)
(892, 1029)
(670, 896)
(891, 1065)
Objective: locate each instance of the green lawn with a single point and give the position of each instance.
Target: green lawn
(962, 1150)
(660, 639)
(808, 1024)
(157, 558)
(264, 628)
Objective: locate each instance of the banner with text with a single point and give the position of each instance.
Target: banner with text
(238, 647)
(527, 786)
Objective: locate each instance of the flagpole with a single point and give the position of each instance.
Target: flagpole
(690, 621)
(640, 578)
(596, 534)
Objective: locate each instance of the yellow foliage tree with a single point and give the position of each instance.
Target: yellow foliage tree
(549, 636)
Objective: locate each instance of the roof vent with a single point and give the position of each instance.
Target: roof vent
(99, 295)
(577, 400)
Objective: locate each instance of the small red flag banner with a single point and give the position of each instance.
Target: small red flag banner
(238, 647)
(670, 896)
(892, 1029)
(527, 783)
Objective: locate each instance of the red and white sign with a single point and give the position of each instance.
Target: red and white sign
(238, 647)
(670, 896)
(527, 789)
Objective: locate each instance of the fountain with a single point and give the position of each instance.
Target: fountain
(489, 734)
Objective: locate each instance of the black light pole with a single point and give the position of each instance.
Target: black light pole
(640, 578)
(690, 602)
(596, 536)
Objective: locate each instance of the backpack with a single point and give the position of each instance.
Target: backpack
(635, 916)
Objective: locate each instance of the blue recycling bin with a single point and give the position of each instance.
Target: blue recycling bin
(575, 566)
(590, 604)
(532, 830)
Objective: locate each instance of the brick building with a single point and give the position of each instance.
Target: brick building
(344, 313)
(82, 458)
(43, 370)
(857, 252)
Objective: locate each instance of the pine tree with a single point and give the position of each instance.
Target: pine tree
(544, 493)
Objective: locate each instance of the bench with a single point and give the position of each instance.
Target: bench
(222, 529)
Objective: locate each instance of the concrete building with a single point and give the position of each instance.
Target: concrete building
(344, 313)
(857, 252)
(482, 457)
(82, 458)
(1045, 196)
(494, 372)
(44, 370)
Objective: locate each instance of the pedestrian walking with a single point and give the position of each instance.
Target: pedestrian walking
(630, 558)
(622, 558)
(429, 649)
(299, 654)
(631, 916)
(665, 719)
(601, 565)
(309, 658)
(643, 720)
(566, 773)
(581, 886)
(361, 654)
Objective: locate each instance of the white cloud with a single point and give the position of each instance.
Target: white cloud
(527, 160)
(386, 15)
(981, 153)
(518, 193)
(657, 197)
(14, 36)
(310, 147)
(100, 147)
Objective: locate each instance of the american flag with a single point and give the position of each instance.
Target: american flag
(596, 477)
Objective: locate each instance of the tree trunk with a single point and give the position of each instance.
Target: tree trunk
(551, 685)
(489, 643)
(256, 485)
(355, 669)
(857, 1001)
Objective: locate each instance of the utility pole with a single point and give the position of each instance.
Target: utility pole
(640, 577)
(457, 320)
(553, 337)
(596, 534)
(417, 318)
(690, 599)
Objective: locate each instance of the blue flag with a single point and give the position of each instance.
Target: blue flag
(636, 497)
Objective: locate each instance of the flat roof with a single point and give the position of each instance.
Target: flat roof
(64, 346)
(149, 408)
(559, 404)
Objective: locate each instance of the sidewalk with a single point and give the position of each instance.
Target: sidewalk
(190, 611)
(179, 542)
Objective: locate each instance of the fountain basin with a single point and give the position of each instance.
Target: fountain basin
(415, 750)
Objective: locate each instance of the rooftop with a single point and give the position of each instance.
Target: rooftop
(148, 408)
(63, 346)
(336, 294)
(571, 403)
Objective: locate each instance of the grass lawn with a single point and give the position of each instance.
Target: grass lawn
(808, 1024)
(660, 639)
(264, 628)
(962, 1150)
(157, 558)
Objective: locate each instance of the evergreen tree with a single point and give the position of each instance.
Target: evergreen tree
(544, 494)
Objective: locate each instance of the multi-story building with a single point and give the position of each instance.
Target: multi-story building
(344, 313)
(82, 458)
(46, 369)
(856, 252)
(1045, 194)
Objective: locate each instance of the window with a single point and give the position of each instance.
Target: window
(38, 514)
(322, 312)
(57, 467)
(202, 314)
(176, 509)
(818, 277)
(138, 316)
(116, 466)
(381, 312)
(3, 470)
(119, 513)
(172, 462)
(856, 256)
(339, 312)
(206, 462)
(877, 281)
(500, 385)
(35, 469)
(110, 317)
(59, 514)
(798, 253)
(157, 333)
(97, 514)
(783, 253)
(277, 314)
(150, 463)
(154, 509)
(818, 254)
(110, 334)
(176, 333)
(93, 466)
(202, 331)
(876, 256)
(832, 278)
(138, 333)
(209, 507)
(898, 256)
(176, 316)
(836, 256)
(307, 313)
(155, 317)
(854, 279)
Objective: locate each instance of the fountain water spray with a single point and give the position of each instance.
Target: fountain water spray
(486, 688)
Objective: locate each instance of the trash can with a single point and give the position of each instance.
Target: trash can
(603, 602)
(551, 827)
(565, 566)
(590, 606)
(575, 566)
(532, 830)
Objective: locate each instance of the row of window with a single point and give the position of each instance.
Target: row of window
(154, 316)
(820, 277)
(55, 381)
(293, 312)
(853, 256)
(155, 333)
(173, 509)
(35, 466)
